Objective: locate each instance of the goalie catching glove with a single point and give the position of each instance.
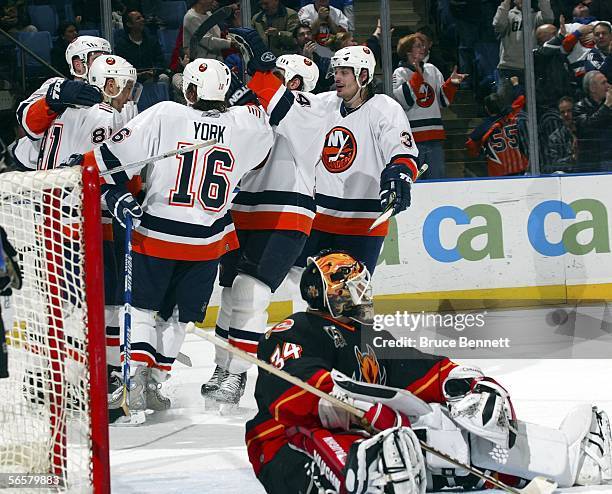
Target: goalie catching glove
(70, 94)
(395, 183)
(480, 405)
(121, 203)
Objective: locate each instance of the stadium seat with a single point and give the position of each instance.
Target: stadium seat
(44, 17)
(172, 12)
(39, 43)
(89, 32)
(167, 40)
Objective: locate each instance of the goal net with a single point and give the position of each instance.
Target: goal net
(53, 407)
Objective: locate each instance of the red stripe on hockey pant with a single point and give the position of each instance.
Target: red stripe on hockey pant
(348, 226)
(184, 252)
(141, 357)
(271, 220)
(297, 406)
(429, 387)
(112, 341)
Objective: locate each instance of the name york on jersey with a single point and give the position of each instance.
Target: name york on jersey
(205, 131)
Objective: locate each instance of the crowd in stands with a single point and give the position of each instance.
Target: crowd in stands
(469, 45)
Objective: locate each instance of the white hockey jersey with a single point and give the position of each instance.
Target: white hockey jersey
(186, 205)
(356, 148)
(280, 196)
(422, 97)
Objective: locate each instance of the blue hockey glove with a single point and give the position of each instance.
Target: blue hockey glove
(395, 182)
(68, 94)
(121, 203)
(259, 57)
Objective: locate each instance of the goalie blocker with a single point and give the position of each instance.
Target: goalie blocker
(455, 409)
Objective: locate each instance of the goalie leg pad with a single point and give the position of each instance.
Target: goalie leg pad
(390, 461)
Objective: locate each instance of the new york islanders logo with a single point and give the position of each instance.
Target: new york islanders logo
(426, 96)
(370, 370)
(339, 150)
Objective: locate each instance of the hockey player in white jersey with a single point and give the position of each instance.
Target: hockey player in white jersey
(36, 113)
(366, 147)
(184, 226)
(273, 214)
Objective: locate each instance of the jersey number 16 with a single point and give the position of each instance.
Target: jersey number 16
(213, 188)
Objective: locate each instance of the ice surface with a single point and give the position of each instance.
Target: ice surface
(191, 450)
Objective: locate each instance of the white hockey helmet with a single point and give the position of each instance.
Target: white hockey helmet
(111, 67)
(210, 77)
(357, 57)
(298, 65)
(81, 47)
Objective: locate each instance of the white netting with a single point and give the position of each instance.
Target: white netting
(45, 424)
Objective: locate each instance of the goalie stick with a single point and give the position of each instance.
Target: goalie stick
(388, 212)
(153, 159)
(539, 485)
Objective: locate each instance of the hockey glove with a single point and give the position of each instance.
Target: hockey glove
(239, 95)
(395, 182)
(253, 49)
(480, 405)
(10, 274)
(69, 94)
(74, 159)
(121, 203)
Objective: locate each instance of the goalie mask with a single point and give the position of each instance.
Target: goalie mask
(335, 282)
(298, 65)
(211, 78)
(357, 58)
(116, 68)
(81, 48)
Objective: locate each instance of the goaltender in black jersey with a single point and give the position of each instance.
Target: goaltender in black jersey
(299, 443)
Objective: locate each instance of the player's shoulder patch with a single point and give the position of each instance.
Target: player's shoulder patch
(282, 326)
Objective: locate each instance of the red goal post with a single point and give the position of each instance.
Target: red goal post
(53, 412)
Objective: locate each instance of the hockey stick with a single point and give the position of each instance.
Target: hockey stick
(539, 485)
(388, 212)
(127, 316)
(153, 159)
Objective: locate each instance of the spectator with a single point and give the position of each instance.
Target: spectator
(600, 57)
(323, 19)
(562, 142)
(139, 48)
(502, 137)
(275, 24)
(212, 44)
(474, 21)
(421, 90)
(508, 24)
(177, 79)
(593, 118)
(67, 32)
(432, 54)
(373, 43)
(602, 32)
(302, 34)
(14, 17)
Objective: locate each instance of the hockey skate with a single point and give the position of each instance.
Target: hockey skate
(596, 463)
(155, 400)
(209, 388)
(136, 398)
(230, 391)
